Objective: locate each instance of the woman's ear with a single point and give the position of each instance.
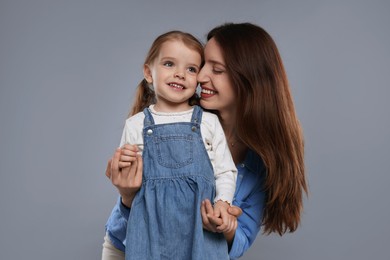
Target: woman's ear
(148, 74)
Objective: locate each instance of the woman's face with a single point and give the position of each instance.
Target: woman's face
(217, 91)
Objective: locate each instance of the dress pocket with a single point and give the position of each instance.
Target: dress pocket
(174, 151)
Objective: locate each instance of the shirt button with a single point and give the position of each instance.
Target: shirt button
(193, 128)
(242, 165)
(149, 132)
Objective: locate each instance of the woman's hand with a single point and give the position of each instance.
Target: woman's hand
(124, 170)
(214, 223)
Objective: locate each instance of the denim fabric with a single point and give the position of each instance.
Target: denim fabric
(249, 195)
(165, 220)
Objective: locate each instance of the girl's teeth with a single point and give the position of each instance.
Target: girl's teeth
(207, 91)
(176, 86)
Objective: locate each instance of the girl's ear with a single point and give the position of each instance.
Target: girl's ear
(148, 74)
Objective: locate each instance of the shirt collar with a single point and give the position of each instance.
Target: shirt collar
(254, 162)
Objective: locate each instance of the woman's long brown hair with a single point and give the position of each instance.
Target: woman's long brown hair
(145, 95)
(268, 123)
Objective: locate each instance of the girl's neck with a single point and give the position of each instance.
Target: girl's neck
(171, 108)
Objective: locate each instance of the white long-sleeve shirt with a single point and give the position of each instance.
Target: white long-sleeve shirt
(225, 172)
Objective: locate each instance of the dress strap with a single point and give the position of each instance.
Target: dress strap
(148, 121)
(197, 115)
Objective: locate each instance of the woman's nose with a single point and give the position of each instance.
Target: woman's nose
(201, 75)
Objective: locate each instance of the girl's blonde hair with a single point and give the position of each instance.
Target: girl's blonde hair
(145, 94)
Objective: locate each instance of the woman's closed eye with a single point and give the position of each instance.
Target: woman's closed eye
(217, 71)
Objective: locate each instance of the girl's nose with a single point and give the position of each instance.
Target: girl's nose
(179, 74)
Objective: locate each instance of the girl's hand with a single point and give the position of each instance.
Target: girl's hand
(214, 223)
(124, 170)
(221, 211)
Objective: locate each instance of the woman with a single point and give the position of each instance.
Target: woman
(243, 81)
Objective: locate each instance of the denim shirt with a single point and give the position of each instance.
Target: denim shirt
(249, 196)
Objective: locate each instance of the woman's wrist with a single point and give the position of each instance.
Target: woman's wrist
(229, 236)
(127, 200)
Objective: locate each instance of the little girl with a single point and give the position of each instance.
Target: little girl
(178, 141)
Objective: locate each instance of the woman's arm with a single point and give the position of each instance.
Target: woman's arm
(126, 175)
(249, 223)
(250, 197)
(125, 172)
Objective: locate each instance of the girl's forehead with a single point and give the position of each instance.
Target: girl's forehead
(177, 48)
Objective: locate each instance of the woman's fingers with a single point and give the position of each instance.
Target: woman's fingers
(235, 211)
(205, 212)
(122, 164)
(138, 173)
(115, 172)
(213, 220)
(108, 169)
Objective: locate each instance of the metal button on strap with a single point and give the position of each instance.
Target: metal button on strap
(193, 128)
(149, 132)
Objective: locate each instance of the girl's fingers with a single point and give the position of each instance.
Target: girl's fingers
(215, 221)
(225, 221)
(129, 149)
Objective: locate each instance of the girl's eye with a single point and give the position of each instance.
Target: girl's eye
(168, 64)
(192, 69)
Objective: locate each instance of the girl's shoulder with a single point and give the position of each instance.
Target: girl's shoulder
(209, 117)
(136, 119)
(211, 122)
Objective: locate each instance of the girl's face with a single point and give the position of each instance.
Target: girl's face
(173, 75)
(217, 90)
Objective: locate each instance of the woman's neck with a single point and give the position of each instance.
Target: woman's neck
(228, 122)
(236, 146)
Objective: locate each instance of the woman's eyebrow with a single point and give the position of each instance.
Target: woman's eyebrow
(214, 62)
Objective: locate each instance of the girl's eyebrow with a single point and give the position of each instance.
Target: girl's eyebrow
(167, 58)
(194, 65)
(174, 59)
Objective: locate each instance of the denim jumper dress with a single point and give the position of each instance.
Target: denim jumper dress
(165, 220)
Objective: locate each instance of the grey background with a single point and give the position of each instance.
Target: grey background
(68, 70)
